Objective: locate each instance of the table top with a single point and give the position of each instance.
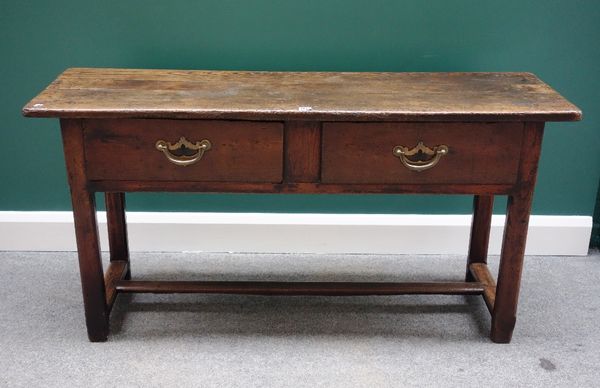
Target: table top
(331, 96)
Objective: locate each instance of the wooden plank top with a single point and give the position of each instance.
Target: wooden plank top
(250, 95)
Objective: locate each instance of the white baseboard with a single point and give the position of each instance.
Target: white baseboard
(294, 233)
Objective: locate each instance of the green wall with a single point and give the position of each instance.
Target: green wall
(557, 40)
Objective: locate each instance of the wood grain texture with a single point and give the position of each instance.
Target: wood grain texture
(302, 151)
(130, 93)
(482, 153)
(245, 151)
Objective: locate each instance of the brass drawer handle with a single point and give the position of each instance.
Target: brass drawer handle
(183, 146)
(403, 153)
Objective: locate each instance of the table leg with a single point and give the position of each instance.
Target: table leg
(117, 229)
(480, 232)
(504, 315)
(86, 233)
(90, 265)
(518, 210)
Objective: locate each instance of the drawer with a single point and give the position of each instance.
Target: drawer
(239, 151)
(476, 153)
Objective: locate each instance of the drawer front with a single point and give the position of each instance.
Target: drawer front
(239, 151)
(477, 153)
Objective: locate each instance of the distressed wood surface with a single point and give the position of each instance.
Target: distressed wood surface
(127, 93)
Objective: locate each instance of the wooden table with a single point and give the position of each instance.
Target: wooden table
(274, 132)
